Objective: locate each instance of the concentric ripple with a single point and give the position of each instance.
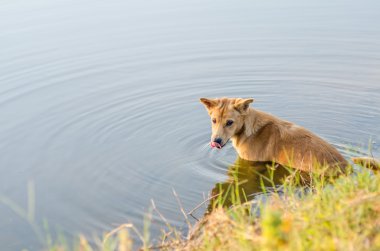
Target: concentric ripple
(99, 102)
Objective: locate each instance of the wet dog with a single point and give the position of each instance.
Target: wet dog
(259, 136)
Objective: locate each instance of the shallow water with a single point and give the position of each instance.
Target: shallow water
(99, 101)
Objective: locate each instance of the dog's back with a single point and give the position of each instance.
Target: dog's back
(286, 143)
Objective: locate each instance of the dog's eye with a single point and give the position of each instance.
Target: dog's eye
(214, 121)
(229, 123)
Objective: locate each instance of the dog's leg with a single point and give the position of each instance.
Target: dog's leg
(368, 162)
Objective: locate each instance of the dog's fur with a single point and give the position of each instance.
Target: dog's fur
(259, 136)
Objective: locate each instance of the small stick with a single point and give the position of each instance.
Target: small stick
(115, 230)
(161, 216)
(195, 218)
(203, 202)
(181, 208)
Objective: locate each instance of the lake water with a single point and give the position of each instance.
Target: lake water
(99, 105)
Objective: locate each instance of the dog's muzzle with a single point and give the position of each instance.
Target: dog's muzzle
(215, 144)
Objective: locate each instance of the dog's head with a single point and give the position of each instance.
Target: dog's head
(227, 118)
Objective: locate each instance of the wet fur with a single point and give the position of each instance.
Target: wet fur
(259, 136)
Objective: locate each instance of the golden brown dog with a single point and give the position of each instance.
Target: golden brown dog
(259, 136)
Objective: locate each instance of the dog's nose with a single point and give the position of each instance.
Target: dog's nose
(218, 140)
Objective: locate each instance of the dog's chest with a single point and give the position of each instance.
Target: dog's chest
(248, 150)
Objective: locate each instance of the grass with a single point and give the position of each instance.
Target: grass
(326, 214)
(310, 212)
(323, 214)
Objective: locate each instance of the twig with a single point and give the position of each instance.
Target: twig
(199, 205)
(161, 216)
(115, 230)
(195, 218)
(181, 208)
(165, 236)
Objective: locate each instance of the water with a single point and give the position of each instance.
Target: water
(99, 100)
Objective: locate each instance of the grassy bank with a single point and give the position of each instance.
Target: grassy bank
(330, 214)
(341, 215)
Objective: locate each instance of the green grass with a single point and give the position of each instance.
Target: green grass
(326, 214)
(304, 213)
(339, 214)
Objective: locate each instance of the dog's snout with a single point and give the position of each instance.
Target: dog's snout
(218, 140)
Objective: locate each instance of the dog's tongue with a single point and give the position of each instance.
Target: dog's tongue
(214, 144)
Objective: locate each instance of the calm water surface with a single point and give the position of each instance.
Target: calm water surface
(99, 100)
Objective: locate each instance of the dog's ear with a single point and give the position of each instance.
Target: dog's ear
(242, 104)
(209, 103)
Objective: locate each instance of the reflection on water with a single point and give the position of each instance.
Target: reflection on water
(99, 99)
(246, 180)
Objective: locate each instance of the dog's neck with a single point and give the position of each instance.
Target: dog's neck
(253, 121)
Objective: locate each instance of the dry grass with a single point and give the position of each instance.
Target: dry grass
(312, 213)
(331, 214)
(342, 214)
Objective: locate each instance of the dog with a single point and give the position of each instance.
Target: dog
(259, 136)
